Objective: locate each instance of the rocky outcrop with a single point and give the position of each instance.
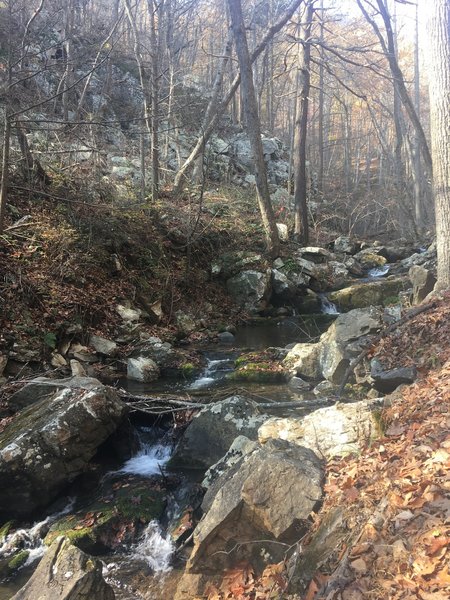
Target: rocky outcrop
(213, 430)
(268, 495)
(250, 290)
(331, 431)
(66, 573)
(50, 443)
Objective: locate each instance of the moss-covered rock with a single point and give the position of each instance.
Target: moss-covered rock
(372, 293)
(115, 516)
(258, 367)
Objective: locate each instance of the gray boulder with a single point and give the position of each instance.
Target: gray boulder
(43, 387)
(212, 431)
(250, 290)
(386, 381)
(343, 340)
(50, 443)
(345, 245)
(142, 369)
(423, 282)
(102, 345)
(268, 495)
(66, 573)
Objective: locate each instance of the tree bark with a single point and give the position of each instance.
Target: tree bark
(301, 230)
(253, 127)
(439, 90)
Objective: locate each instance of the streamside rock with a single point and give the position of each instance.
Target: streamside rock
(371, 293)
(423, 282)
(42, 387)
(142, 369)
(330, 431)
(66, 573)
(267, 496)
(212, 431)
(388, 380)
(250, 290)
(303, 360)
(50, 443)
(345, 339)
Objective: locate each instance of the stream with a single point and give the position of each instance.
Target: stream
(145, 570)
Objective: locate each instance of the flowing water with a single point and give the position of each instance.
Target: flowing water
(144, 571)
(377, 272)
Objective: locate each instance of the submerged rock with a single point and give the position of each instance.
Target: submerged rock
(50, 443)
(213, 430)
(268, 495)
(66, 573)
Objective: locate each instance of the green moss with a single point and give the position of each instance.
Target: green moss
(390, 300)
(18, 560)
(5, 529)
(258, 373)
(188, 369)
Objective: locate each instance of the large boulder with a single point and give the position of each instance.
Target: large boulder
(423, 282)
(213, 430)
(330, 431)
(250, 289)
(268, 495)
(304, 360)
(343, 341)
(66, 573)
(50, 443)
(142, 369)
(371, 293)
(42, 387)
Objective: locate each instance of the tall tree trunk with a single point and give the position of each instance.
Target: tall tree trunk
(301, 229)
(415, 149)
(253, 127)
(439, 88)
(321, 105)
(155, 59)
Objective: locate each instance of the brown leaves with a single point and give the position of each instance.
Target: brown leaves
(241, 583)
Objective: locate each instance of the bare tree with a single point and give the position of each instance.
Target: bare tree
(439, 88)
(253, 127)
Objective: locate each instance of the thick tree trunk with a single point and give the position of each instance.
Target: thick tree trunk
(301, 230)
(253, 126)
(439, 88)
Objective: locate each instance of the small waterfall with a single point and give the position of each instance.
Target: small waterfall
(150, 459)
(31, 539)
(215, 370)
(155, 549)
(378, 271)
(328, 307)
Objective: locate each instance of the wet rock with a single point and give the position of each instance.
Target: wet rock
(268, 495)
(330, 431)
(423, 282)
(50, 443)
(250, 290)
(66, 573)
(114, 514)
(304, 361)
(212, 431)
(142, 369)
(226, 337)
(371, 293)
